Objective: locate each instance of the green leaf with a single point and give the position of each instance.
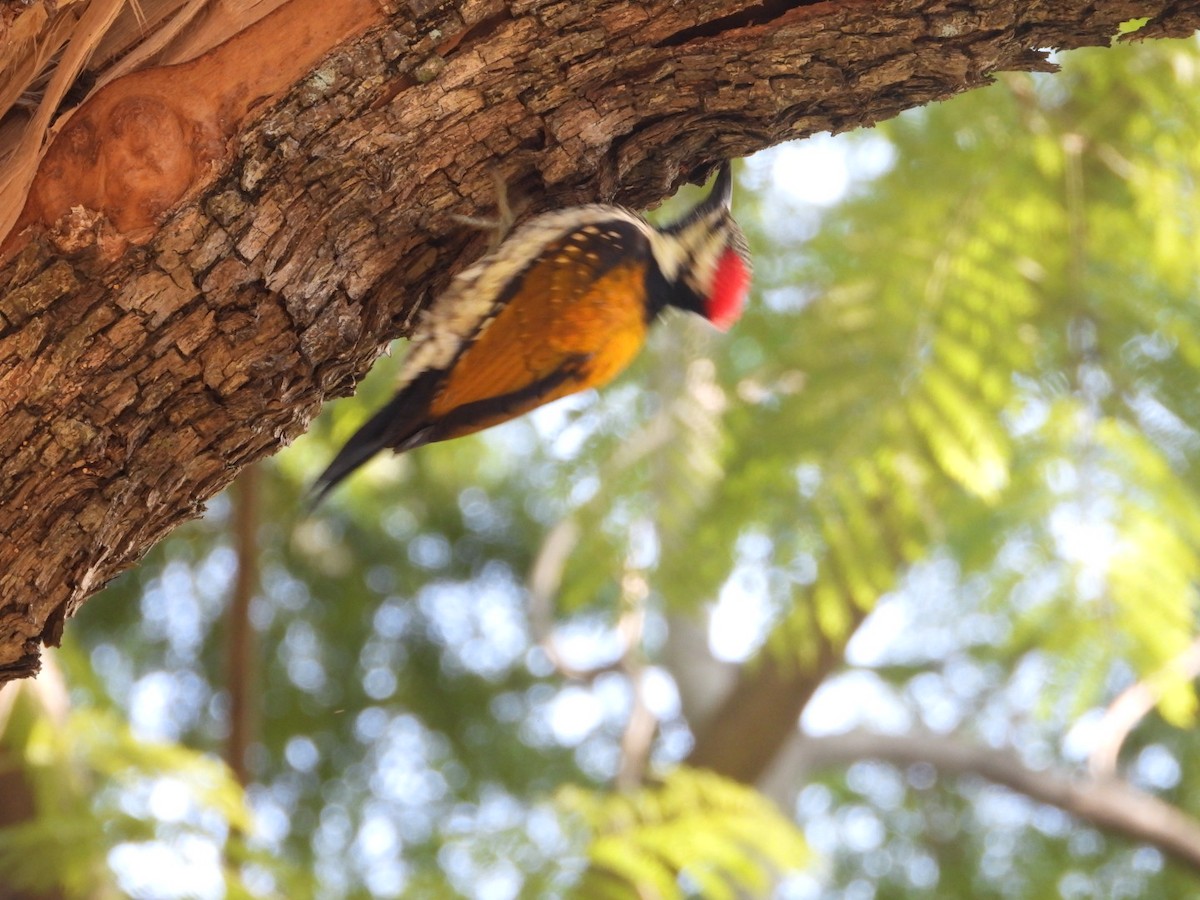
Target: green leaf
(722, 837)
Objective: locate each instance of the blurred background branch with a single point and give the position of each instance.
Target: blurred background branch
(242, 674)
(1108, 803)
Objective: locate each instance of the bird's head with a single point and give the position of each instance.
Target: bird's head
(704, 257)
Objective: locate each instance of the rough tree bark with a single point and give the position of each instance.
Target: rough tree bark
(211, 250)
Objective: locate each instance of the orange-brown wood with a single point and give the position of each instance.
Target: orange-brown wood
(141, 143)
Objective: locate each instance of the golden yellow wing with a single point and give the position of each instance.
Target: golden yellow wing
(574, 320)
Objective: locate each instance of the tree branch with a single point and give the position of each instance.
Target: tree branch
(758, 718)
(638, 737)
(1132, 705)
(242, 674)
(45, 697)
(1110, 804)
(155, 340)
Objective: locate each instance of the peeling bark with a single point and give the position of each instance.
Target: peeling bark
(142, 142)
(148, 353)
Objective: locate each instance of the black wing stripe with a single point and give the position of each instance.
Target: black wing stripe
(510, 404)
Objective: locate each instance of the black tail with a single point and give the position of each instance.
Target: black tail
(387, 428)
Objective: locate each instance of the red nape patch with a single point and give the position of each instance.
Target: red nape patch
(731, 285)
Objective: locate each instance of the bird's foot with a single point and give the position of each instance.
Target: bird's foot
(502, 224)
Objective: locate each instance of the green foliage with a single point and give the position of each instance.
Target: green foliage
(93, 782)
(1131, 26)
(695, 834)
(988, 276)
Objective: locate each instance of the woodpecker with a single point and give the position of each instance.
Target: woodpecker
(562, 305)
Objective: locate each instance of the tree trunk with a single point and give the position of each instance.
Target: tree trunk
(211, 250)
(44, 698)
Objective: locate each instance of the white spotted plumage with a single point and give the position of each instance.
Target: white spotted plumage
(472, 300)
